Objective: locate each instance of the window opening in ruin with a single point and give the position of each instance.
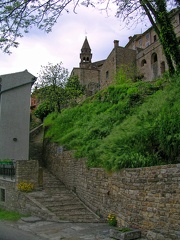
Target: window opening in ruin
(143, 62)
(107, 74)
(155, 38)
(147, 36)
(2, 195)
(154, 58)
(87, 59)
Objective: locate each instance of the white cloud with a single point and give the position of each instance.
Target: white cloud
(64, 43)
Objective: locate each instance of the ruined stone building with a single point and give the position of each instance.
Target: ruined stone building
(143, 51)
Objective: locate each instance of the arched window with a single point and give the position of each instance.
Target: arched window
(154, 58)
(143, 62)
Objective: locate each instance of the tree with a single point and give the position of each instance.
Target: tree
(43, 110)
(74, 89)
(51, 85)
(21, 15)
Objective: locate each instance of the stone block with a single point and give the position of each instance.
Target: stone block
(130, 235)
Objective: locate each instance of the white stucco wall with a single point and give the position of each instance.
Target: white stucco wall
(15, 116)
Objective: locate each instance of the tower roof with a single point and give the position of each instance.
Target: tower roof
(86, 45)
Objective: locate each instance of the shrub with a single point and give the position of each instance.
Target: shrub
(43, 110)
(25, 186)
(112, 220)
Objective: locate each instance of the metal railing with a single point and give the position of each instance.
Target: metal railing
(7, 171)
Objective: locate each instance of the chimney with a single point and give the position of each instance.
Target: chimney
(116, 43)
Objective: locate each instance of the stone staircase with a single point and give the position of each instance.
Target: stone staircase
(60, 203)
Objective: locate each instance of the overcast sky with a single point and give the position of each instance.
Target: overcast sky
(64, 43)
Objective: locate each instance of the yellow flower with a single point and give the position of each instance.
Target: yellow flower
(25, 187)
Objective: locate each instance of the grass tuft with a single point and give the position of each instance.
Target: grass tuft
(9, 215)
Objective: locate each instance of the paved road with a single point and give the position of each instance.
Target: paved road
(38, 230)
(8, 232)
(33, 228)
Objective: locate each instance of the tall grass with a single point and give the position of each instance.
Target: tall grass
(132, 124)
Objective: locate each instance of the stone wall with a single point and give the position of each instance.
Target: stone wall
(145, 198)
(26, 171)
(119, 57)
(88, 77)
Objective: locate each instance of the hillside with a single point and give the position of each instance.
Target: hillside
(130, 124)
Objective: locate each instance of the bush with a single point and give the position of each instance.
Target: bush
(25, 186)
(43, 110)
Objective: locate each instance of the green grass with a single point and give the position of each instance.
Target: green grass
(127, 125)
(9, 215)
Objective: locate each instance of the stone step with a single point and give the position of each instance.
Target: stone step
(62, 205)
(61, 202)
(68, 208)
(78, 218)
(59, 194)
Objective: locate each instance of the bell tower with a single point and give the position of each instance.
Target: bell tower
(85, 55)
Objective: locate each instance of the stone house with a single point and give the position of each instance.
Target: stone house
(143, 52)
(150, 59)
(15, 115)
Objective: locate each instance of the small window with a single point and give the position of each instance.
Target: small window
(140, 42)
(143, 62)
(2, 195)
(147, 36)
(154, 58)
(107, 74)
(155, 38)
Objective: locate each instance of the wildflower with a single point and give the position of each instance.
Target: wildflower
(112, 220)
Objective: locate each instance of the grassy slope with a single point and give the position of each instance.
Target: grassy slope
(125, 125)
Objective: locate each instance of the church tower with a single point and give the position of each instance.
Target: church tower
(85, 55)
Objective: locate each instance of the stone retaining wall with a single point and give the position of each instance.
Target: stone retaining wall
(143, 198)
(26, 171)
